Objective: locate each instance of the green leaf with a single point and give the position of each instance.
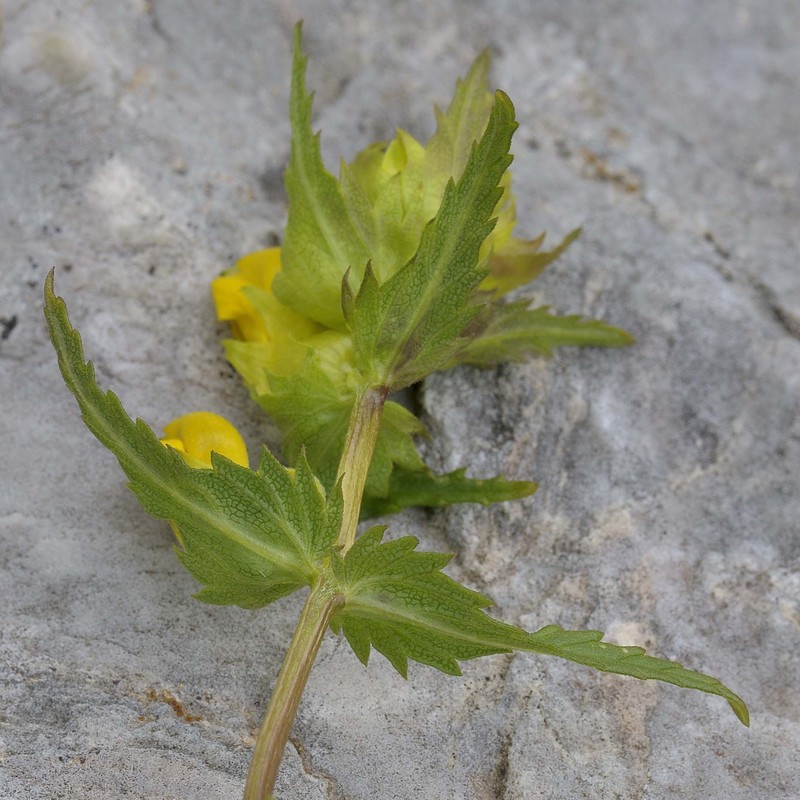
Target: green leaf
(414, 323)
(394, 189)
(322, 239)
(515, 332)
(448, 150)
(398, 601)
(587, 648)
(313, 413)
(519, 261)
(424, 488)
(250, 537)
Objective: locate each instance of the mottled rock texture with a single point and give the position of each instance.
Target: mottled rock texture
(142, 146)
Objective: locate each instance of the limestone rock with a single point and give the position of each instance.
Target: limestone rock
(142, 147)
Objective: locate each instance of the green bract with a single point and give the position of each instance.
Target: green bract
(401, 263)
(387, 275)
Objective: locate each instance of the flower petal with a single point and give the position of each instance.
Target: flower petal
(196, 435)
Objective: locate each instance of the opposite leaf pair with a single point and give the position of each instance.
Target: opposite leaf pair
(251, 537)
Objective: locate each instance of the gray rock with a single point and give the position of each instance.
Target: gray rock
(142, 147)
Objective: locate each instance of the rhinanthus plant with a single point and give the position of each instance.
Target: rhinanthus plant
(394, 271)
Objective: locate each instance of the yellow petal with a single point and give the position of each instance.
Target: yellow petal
(243, 296)
(229, 299)
(175, 444)
(195, 436)
(234, 306)
(260, 268)
(250, 328)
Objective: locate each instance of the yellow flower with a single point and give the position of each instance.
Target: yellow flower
(232, 303)
(243, 296)
(271, 338)
(195, 436)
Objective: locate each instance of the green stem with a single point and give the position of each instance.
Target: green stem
(320, 606)
(321, 603)
(359, 447)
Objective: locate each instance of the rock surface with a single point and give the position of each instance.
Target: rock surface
(142, 146)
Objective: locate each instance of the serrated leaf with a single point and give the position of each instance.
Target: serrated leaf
(394, 189)
(313, 413)
(516, 332)
(519, 261)
(322, 240)
(587, 648)
(422, 487)
(398, 601)
(448, 150)
(414, 323)
(250, 537)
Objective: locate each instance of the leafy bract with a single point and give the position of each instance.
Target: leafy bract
(448, 150)
(515, 332)
(413, 324)
(249, 537)
(398, 601)
(518, 261)
(322, 239)
(313, 413)
(412, 228)
(393, 190)
(422, 487)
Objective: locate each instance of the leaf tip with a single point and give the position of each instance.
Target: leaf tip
(49, 283)
(617, 337)
(298, 34)
(503, 102)
(739, 707)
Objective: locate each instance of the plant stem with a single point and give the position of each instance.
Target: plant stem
(321, 603)
(320, 606)
(359, 447)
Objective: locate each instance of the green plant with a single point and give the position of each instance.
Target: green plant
(392, 272)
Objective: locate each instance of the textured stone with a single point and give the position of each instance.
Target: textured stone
(142, 146)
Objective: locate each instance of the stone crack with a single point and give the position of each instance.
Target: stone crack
(332, 790)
